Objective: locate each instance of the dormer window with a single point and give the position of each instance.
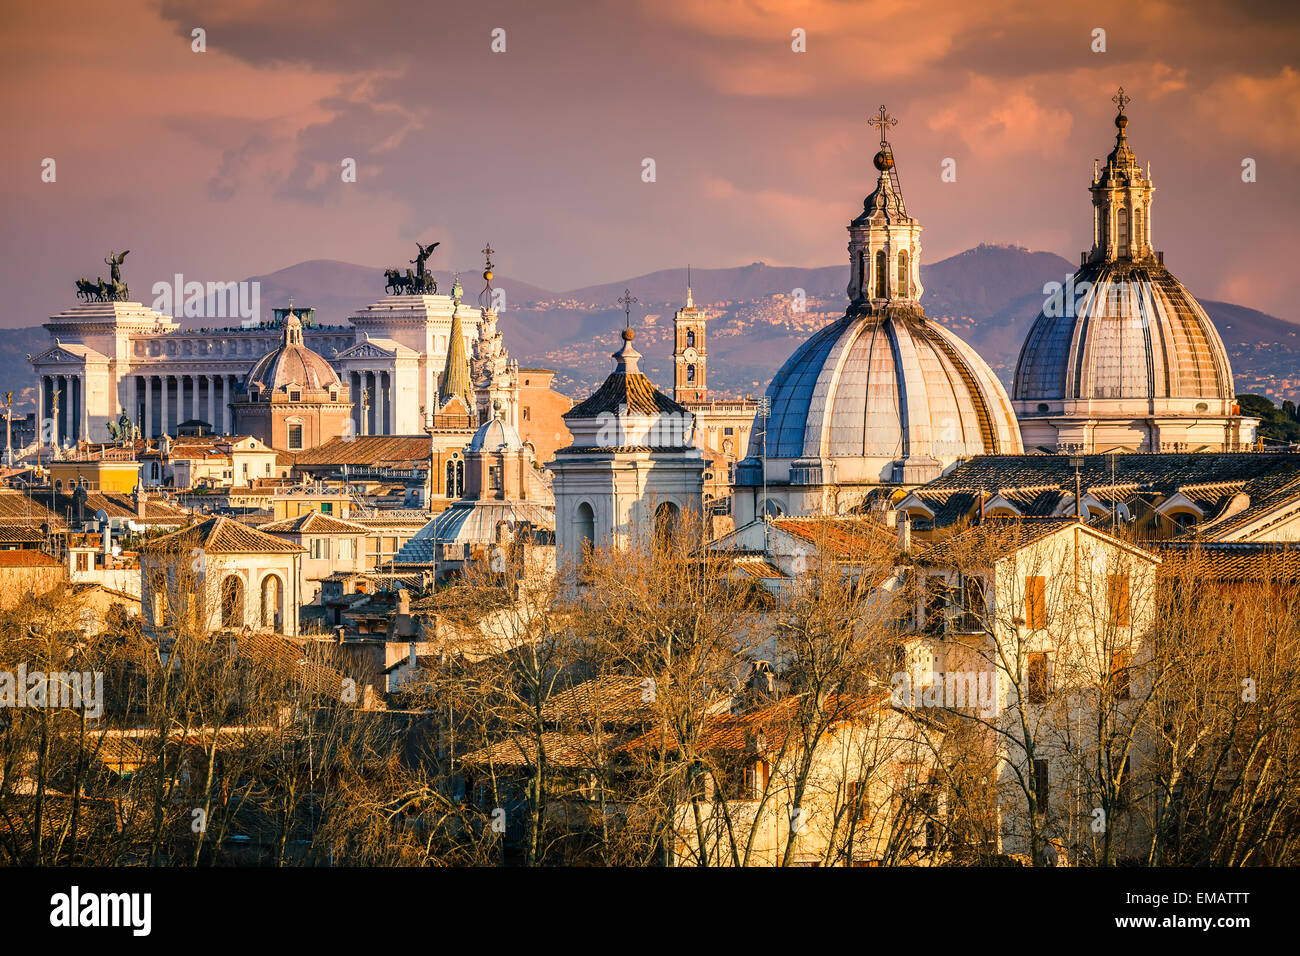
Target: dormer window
(295, 395)
(253, 394)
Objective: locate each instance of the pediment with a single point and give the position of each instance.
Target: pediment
(365, 350)
(65, 355)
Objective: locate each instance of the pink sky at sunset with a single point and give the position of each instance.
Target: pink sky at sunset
(225, 164)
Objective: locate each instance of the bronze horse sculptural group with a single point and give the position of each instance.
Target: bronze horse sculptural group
(114, 290)
(417, 281)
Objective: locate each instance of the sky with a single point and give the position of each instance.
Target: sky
(227, 163)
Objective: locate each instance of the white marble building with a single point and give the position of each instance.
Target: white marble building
(109, 357)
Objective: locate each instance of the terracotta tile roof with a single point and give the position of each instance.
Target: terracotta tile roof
(609, 700)
(1230, 561)
(367, 451)
(222, 535)
(294, 660)
(313, 522)
(14, 533)
(1266, 494)
(32, 507)
(561, 750)
(631, 391)
(28, 559)
(839, 535)
(997, 472)
(756, 566)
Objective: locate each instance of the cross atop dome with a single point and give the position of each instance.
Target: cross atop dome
(1121, 100)
(883, 122)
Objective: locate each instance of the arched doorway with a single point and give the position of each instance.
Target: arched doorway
(667, 519)
(586, 526)
(272, 601)
(232, 601)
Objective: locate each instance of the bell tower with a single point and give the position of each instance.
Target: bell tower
(690, 357)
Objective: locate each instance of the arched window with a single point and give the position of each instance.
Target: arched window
(862, 273)
(690, 373)
(882, 277)
(902, 272)
(1139, 238)
(667, 518)
(586, 526)
(232, 602)
(455, 487)
(690, 338)
(272, 602)
(1121, 230)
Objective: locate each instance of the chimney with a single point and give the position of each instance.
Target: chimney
(412, 655)
(141, 499)
(904, 532)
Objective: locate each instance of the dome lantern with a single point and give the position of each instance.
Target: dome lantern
(884, 242)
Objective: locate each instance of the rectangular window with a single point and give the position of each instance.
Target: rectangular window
(320, 549)
(295, 440)
(327, 507)
(1042, 786)
(1119, 675)
(1035, 602)
(728, 431)
(494, 477)
(528, 413)
(347, 549)
(83, 561)
(755, 780)
(1037, 680)
(1117, 599)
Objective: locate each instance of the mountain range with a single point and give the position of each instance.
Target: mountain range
(759, 314)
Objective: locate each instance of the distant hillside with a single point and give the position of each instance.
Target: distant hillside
(989, 295)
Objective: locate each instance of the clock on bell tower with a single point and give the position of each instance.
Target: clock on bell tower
(690, 358)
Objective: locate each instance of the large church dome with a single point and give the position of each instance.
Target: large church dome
(1123, 357)
(881, 396)
(291, 363)
(1135, 333)
(888, 386)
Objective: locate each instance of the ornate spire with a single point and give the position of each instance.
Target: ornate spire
(690, 302)
(485, 297)
(455, 375)
(1121, 198)
(884, 242)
